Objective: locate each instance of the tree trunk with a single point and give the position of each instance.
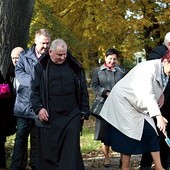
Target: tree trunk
(15, 18)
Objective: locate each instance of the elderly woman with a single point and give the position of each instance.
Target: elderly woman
(131, 106)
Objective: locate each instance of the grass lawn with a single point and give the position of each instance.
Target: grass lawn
(89, 146)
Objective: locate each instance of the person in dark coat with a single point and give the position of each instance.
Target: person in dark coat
(3, 126)
(24, 71)
(103, 79)
(146, 160)
(60, 99)
(11, 79)
(8, 124)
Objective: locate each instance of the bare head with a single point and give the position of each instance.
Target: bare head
(15, 54)
(58, 51)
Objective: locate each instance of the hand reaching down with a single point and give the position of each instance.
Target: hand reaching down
(161, 123)
(43, 115)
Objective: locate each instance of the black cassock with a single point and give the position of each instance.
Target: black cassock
(59, 144)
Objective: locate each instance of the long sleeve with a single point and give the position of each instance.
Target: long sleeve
(84, 106)
(22, 76)
(95, 83)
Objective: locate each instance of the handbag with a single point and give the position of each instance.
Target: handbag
(97, 106)
(4, 90)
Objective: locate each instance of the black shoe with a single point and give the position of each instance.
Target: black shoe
(107, 165)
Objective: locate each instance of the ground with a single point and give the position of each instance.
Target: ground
(94, 161)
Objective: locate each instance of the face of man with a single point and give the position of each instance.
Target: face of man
(42, 43)
(15, 54)
(59, 55)
(14, 59)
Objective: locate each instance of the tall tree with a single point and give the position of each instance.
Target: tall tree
(15, 17)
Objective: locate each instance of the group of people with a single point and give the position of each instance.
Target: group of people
(50, 100)
(45, 107)
(135, 115)
(146, 161)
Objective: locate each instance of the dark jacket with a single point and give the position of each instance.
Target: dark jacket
(39, 95)
(24, 72)
(7, 120)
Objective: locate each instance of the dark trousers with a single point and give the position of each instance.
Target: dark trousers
(25, 126)
(2, 151)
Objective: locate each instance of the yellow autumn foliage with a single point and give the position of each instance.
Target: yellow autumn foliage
(91, 26)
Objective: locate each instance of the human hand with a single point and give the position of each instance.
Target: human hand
(161, 101)
(161, 123)
(43, 115)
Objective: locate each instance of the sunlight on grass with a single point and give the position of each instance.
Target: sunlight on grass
(89, 147)
(87, 142)
(9, 148)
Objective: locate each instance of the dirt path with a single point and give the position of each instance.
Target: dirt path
(97, 163)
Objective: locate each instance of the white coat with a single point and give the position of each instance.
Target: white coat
(134, 99)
